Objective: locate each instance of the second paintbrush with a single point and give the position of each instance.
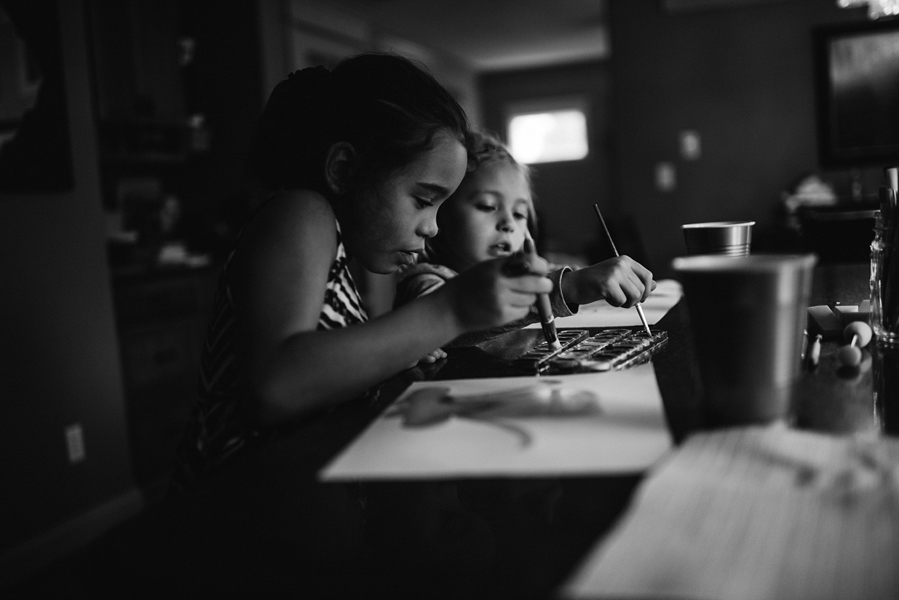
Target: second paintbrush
(615, 250)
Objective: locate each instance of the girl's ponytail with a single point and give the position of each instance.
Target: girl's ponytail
(290, 131)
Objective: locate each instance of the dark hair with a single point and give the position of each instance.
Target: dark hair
(387, 107)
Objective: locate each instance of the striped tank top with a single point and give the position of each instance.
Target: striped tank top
(220, 427)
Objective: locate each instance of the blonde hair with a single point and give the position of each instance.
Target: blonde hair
(486, 148)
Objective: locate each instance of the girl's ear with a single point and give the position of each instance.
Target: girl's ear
(340, 164)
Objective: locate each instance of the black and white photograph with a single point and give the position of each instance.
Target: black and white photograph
(449, 299)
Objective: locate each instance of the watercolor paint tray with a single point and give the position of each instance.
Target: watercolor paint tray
(610, 349)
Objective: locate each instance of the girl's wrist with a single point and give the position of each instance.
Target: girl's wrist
(567, 303)
(568, 286)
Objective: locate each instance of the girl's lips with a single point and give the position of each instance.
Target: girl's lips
(499, 250)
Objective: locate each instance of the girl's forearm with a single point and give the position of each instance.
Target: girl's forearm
(315, 369)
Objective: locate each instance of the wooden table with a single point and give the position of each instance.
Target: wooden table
(273, 528)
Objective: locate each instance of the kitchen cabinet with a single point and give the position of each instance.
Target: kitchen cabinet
(138, 57)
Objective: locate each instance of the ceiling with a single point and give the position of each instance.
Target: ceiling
(492, 35)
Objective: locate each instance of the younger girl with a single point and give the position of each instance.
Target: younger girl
(489, 216)
(358, 161)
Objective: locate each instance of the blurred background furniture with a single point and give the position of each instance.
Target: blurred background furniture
(839, 233)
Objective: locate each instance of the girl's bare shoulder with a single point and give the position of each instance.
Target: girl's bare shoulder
(291, 224)
(296, 214)
(297, 205)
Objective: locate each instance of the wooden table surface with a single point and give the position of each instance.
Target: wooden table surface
(271, 527)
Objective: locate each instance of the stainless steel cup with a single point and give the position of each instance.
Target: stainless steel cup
(729, 238)
(747, 316)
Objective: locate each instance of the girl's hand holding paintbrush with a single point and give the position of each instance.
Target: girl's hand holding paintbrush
(498, 291)
(621, 281)
(494, 292)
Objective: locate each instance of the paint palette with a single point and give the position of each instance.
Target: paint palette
(610, 349)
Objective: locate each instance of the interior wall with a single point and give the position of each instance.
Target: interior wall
(59, 362)
(320, 33)
(742, 78)
(565, 191)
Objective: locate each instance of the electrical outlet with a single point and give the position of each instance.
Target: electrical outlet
(666, 177)
(690, 145)
(75, 443)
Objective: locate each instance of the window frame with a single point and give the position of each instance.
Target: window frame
(550, 104)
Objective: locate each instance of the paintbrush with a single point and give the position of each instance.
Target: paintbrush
(544, 308)
(615, 250)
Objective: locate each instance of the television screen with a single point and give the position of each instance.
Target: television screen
(857, 79)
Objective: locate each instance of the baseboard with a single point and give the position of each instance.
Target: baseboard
(43, 550)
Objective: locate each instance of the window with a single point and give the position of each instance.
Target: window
(554, 132)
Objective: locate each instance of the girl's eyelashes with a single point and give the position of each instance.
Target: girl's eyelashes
(487, 208)
(423, 202)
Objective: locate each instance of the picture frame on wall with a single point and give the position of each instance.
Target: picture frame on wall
(36, 154)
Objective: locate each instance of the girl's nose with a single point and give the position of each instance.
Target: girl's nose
(428, 227)
(506, 223)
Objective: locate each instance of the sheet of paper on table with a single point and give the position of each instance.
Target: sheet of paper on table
(609, 422)
(602, 314)
(757, 513)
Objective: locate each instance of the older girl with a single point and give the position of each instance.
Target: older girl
(357, 161)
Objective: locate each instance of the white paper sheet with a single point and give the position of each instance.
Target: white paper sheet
(573, 424)
(755, 514)
(601, 314)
